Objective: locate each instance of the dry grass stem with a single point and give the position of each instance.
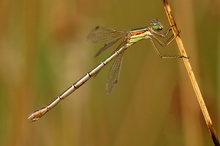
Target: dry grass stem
(191, 75)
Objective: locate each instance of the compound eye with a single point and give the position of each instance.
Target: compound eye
(156, 25)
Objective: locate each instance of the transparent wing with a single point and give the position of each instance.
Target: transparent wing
(114, 73)
(107, 45)
(100, 34)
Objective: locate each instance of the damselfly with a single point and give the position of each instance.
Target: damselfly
(151, 32)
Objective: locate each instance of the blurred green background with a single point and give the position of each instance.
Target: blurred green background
(43, 51)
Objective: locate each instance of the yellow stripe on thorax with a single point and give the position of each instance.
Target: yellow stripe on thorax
(138, 34)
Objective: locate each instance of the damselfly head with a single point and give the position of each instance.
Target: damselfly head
(156, 25)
